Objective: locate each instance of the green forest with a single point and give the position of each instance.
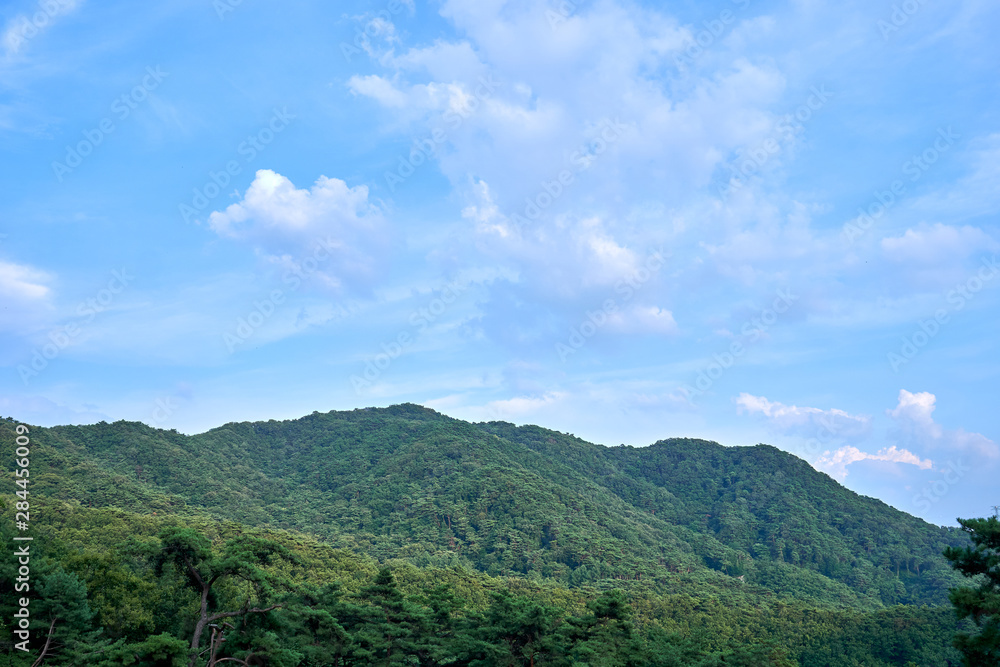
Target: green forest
(400, 536)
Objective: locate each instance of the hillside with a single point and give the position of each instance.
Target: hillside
(408, 483)
(337, 609)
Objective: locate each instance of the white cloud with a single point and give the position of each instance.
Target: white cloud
(805, 421)
(273, 203)
(559, 88)
(567, 267)
(608, 410)
(289, 226)
(607, 60)
(377, 33)
(25, 296)
(21, 29)
(973, 195)
(835, 463)
(379, 89)
(756, 240)
(519, 407)
(586, 401)
(915, 434)
(443, 61)
(643, 320)
(564, 256)
(937, 243)
(41, 411)
(22, 283)
(915, 427)
(917, 409)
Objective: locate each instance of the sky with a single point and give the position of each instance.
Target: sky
(739, 220)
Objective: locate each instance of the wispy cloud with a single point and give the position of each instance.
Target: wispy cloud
(46, 412)
(933, 244)
(806, 421)
(25, 296)
(23, 28)
(835, 463)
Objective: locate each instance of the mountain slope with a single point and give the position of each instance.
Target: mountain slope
(111, 552)
(771, 505)
(407, 482)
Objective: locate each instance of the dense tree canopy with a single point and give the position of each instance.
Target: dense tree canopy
(400, 536)
(980, 601)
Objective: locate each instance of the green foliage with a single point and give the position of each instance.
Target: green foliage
(981, 601)
(161, 650)
(344, 609)
(406, 482)
(400, 536)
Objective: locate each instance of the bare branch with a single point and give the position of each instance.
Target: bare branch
(48, 642)
(255, 610)
(194, 572)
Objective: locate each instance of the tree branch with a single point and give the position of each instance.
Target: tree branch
(191, 568)
(242, 662)
(48, 642)
(243, 612)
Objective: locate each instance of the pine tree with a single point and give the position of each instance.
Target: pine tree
(242, 558)
(981, 601)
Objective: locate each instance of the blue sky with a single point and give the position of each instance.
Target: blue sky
(746, 221)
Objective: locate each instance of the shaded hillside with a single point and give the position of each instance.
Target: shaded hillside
(768, 504)
(407, 482)
(130, 612)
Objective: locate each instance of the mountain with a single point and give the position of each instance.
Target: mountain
(408, 483)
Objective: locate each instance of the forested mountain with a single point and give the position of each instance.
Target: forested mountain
(409, 482)
(750, 540)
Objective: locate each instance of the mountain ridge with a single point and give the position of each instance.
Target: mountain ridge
(408, 482)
